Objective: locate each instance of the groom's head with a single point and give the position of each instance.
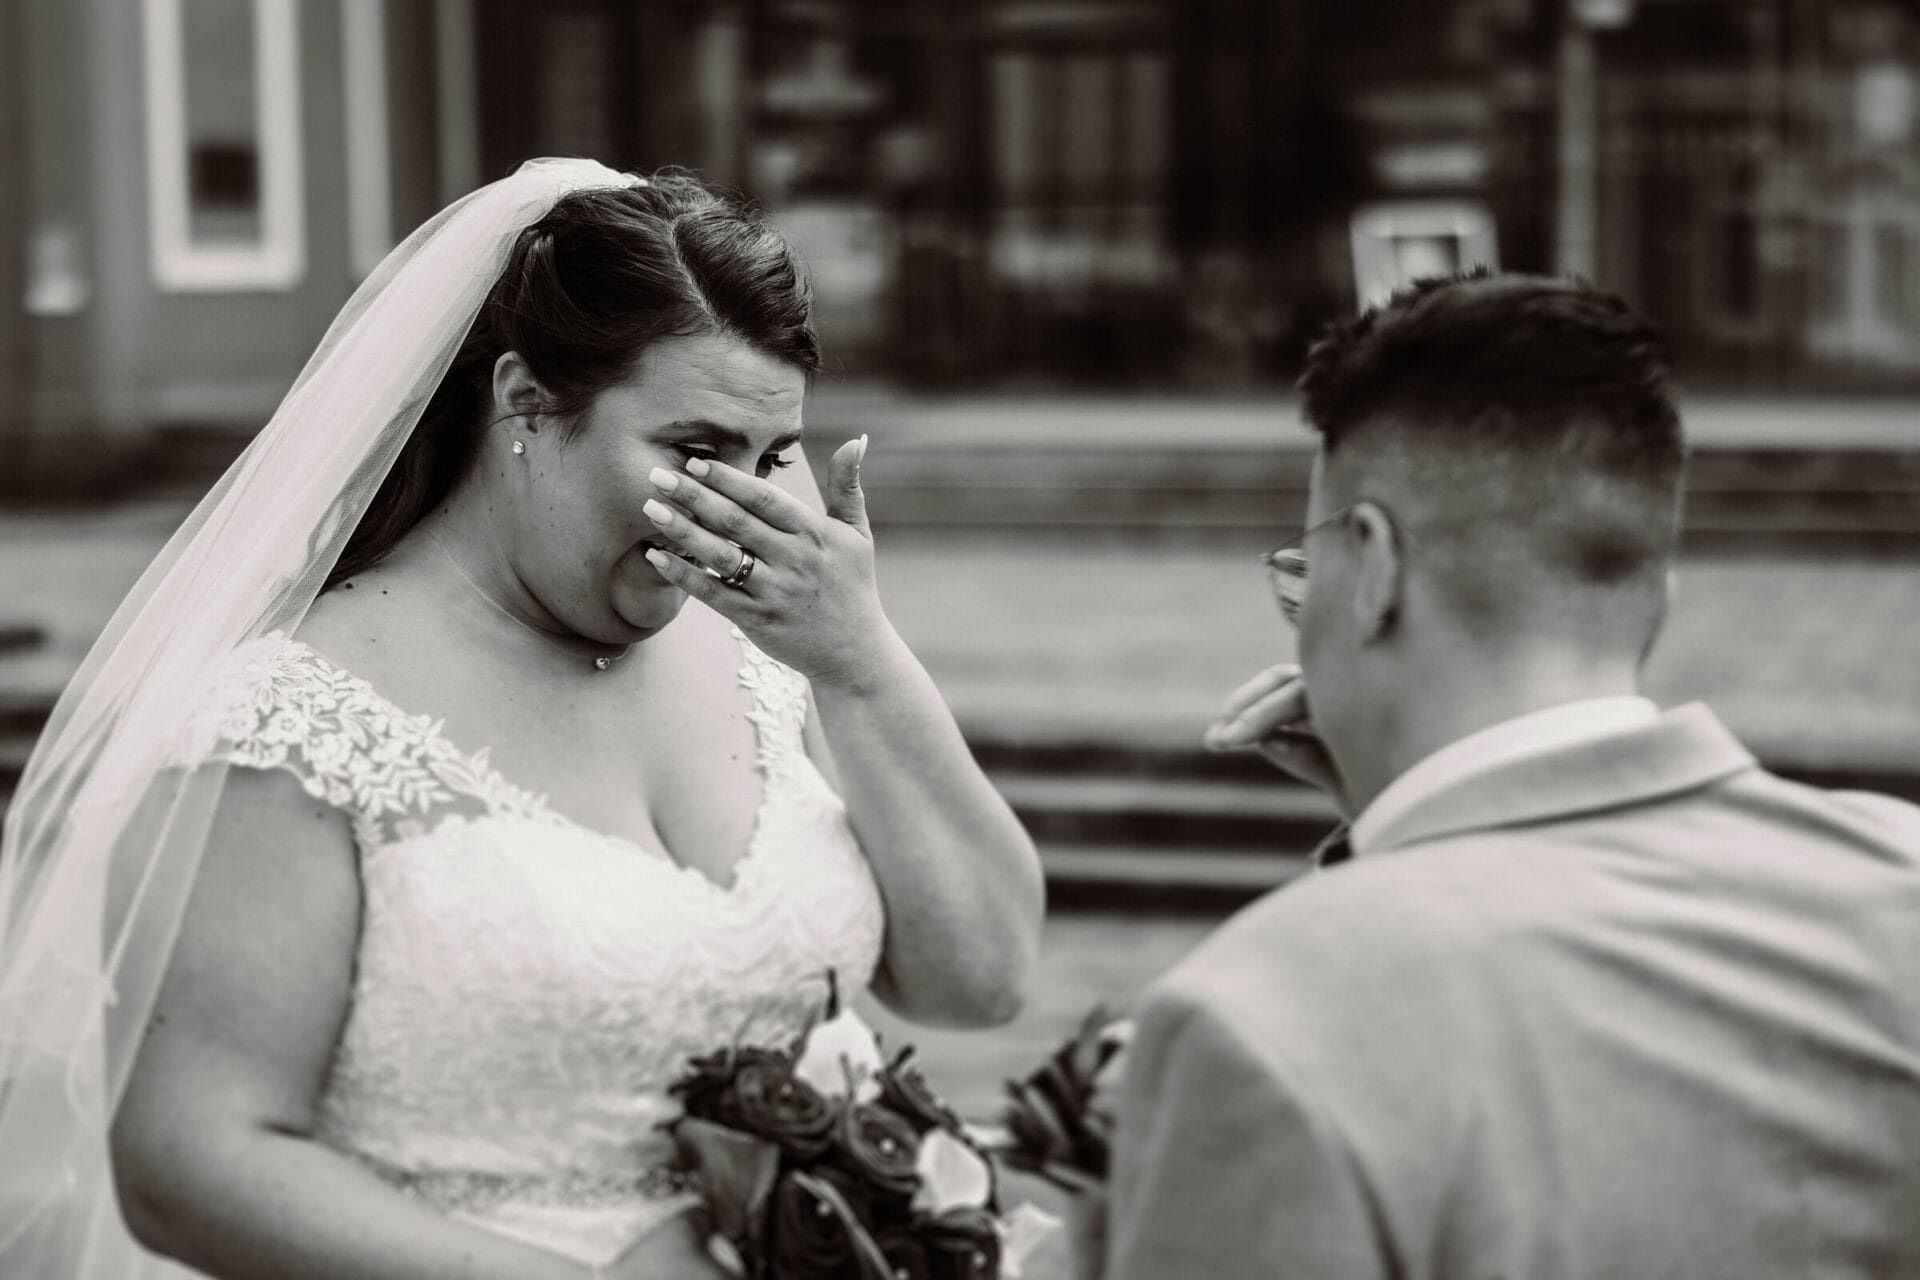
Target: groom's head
(1495, 505)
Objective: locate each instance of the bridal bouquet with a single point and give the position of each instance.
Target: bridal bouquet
(823, 1158)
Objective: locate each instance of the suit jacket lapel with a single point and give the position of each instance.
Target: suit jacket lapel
(1685, 749)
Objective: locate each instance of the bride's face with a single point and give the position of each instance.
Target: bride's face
(581, 539)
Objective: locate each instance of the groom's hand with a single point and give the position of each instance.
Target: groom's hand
(1269, 714)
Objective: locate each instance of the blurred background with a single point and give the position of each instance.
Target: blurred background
(1068, 255)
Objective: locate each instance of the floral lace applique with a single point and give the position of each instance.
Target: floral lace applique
(781, 699)
(280, 705)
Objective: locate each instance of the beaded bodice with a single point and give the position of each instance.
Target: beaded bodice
(525, 987)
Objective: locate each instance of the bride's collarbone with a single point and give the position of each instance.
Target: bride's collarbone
(390, 631)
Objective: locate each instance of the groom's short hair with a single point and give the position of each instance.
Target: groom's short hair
(1532, 420)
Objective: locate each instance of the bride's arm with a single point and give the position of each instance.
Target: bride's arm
(957, 871)
(213, 1148)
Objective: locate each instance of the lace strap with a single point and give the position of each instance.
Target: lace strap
(279, 705)
(781, 700)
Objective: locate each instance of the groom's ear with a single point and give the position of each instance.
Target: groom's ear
(516, 392)
(1379, 578)
(1669, 590)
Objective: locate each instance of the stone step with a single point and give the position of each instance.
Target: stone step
(21, 636)
(1170, 812)
(1127, 876)
(15, 748)
(1121, 750)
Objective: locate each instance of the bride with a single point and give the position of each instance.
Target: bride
(408, 827)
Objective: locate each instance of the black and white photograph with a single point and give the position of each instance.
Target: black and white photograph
(959, 639)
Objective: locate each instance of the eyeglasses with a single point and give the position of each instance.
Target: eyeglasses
(1287, 568)
(1287, 565)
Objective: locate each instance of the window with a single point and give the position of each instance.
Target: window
(223, 144)
(1396, 243)
(1893, 284)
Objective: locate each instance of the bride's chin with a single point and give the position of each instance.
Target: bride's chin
(642, 599)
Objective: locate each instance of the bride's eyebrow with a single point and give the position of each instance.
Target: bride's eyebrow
(727, 436)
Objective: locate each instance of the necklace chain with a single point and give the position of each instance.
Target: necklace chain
(600, 661)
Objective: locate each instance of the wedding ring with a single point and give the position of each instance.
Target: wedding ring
(741, 572)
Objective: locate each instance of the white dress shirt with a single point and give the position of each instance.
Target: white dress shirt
(1532, 734)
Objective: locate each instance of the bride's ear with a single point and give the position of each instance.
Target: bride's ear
(517, 393)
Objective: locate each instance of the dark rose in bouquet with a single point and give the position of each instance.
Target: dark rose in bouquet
(771, 1103)
(880, 1149)
(905, 1254)
(755, 1090)
(817, 1231)
(964, 1244)
(908, 1094)
(818, 1158)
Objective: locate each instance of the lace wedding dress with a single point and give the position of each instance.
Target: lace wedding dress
(526, 988)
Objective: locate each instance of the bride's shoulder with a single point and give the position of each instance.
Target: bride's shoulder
(266, 686)
(363, 625)
(259, 679)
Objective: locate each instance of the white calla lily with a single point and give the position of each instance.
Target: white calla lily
(1022, 1232)
(952, 1175)
(839, 1051)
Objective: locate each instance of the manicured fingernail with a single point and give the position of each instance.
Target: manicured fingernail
(698, 466)
(658, 512)
(862, 455)
(663, 479)
(656, 557)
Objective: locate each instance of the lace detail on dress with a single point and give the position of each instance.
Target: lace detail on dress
(279, 705)
(471, 1191)
(525, 988)
(781, 700)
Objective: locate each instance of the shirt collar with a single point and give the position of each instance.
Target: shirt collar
(1535, 733)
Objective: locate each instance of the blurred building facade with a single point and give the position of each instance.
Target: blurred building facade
(1145, 192)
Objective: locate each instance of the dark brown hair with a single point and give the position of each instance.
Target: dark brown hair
(585, 290)
(1540, 403)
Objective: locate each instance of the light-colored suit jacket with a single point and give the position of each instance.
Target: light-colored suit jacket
(1635, 1008)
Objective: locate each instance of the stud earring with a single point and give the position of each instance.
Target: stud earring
(519, 446)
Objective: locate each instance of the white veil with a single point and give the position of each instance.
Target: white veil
(103, 840)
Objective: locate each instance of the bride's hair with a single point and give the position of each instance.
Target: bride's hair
(586, 289)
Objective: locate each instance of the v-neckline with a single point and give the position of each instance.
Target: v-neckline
(482, 763)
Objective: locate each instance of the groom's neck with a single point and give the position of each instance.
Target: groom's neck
(1450, 701)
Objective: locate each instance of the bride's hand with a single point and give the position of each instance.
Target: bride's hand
(809, 599)
(674, 1250)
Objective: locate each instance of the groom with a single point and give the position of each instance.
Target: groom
(1583, 991)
